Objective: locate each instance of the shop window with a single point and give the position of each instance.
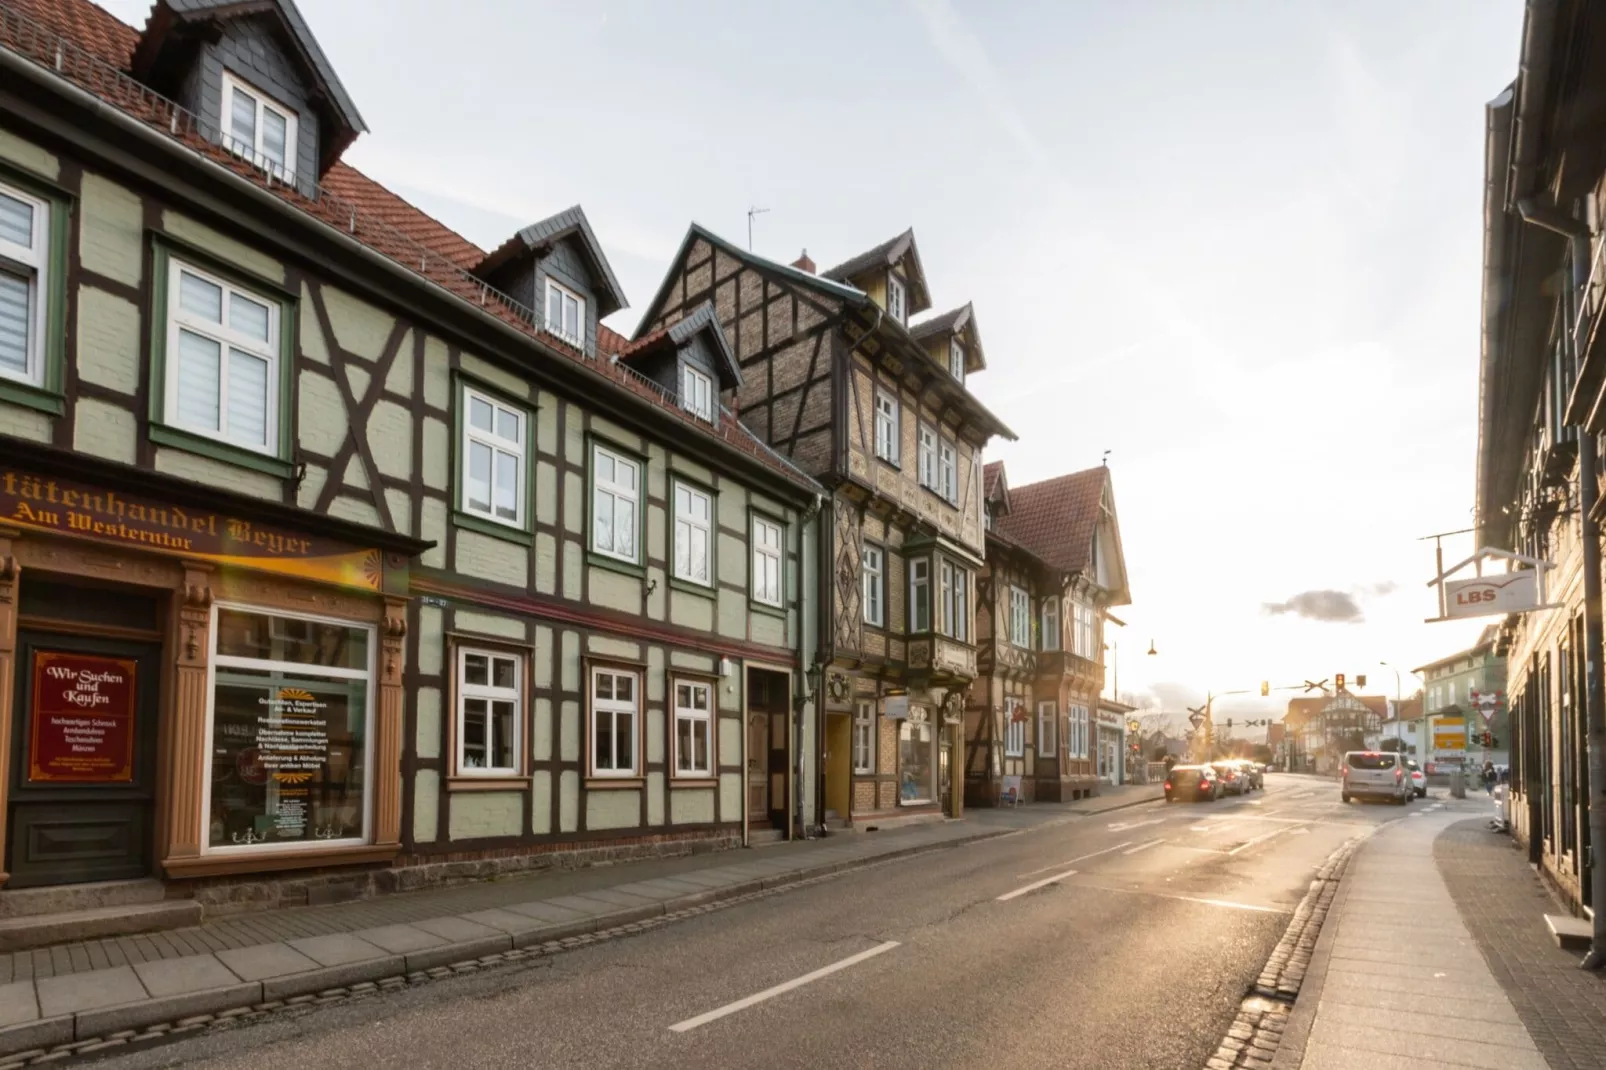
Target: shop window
(694, 538)
(615, 504)
(863, 738)
(615, 720)
(489, 713)
(495, 477)
(288, 731)
(694, 733)
(915, 767)
(767, 551)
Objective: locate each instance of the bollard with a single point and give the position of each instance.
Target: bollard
(1458, 784)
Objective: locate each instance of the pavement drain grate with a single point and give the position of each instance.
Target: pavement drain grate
(297, 1006)
(1252, 1039)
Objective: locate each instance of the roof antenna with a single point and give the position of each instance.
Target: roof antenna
(751, 212)
(1106, 461)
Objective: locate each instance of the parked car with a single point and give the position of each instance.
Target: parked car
(1376, 775)
(1197, 783)
(1419, 779)
(1233, 779)
(1255, 772)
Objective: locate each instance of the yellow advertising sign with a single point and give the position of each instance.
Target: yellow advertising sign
(1450, 733)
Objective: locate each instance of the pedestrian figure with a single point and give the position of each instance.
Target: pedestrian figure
(1488, 777)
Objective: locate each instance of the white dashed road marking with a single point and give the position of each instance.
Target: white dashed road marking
(771, 993)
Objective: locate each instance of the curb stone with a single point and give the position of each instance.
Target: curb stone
(1254, 1040)
(47, 1041)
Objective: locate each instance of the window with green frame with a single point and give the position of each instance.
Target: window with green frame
(35, 219)
(495, 462)
(618, 478)
(223, 349)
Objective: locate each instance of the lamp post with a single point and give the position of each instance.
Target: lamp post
(1398, 699)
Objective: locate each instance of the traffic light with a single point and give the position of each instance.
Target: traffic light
(1338, 681)
(1360, 680)
(1265, 688)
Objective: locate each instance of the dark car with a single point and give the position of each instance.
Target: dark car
(1234, 781)
(1196, 782)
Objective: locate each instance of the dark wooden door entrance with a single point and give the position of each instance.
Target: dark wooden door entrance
(84, 772)
(768, 717)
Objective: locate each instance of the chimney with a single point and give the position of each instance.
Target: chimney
(803, 263)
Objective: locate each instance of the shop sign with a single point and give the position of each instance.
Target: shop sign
(1450, 733)
(1514, 592)
(65, 507)
(896, 707)
(83, 719)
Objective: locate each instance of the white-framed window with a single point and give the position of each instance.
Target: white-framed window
(1076, 727)
(1051, 623)
(955, 601)
(956, 359)
(863, 738)
(767, 557)
(615, 717)
(1020, 617)
(886, 426)
(694, 728)
(489, 712)
(259, 127)
(694, 535)
(897, 299)
(290, 718)
(24, 260)
(874, 586)
(565, 312)
(1014, 729)
(222, 366)
(948, 472)
(920, 594)
(1085, 629)
(697, 392)
(1047, 723)
(494, 479)
(926, 441)
(615, 503)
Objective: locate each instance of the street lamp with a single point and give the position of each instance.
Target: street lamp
(1398, 700)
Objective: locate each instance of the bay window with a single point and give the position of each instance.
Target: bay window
(955, 582)
(288, 731)
(920, 594)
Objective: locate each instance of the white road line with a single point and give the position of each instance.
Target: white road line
(1143, 847)
(1259, 839)
(1125, 826)
(1073, 861)
(1032, 887)
(1226, 903)
(771, 993)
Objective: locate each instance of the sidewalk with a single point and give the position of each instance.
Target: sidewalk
(1397, 979)
(1028, 815)
(77, 994)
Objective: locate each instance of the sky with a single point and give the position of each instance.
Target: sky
(1236, 244)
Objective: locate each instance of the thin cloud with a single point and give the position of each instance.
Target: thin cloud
(1338, 607)
(958, 44)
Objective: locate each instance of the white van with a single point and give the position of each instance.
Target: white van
(1377, 774)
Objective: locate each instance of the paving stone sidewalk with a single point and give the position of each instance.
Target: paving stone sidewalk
(78, 993)
(1396, 979)
(1503, 903)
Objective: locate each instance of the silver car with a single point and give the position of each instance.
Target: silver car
(1375, 774)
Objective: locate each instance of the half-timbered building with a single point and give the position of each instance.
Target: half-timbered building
(839, 376)
(1054, 569)
(335, 551)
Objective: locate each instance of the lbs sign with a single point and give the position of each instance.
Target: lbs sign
(1511, 592)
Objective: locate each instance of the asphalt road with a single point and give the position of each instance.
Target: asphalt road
(1126, 940)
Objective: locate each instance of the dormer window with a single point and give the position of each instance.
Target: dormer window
(696, 392)
(897, 299)
(259, 128)
(956, 360)
(565, 313)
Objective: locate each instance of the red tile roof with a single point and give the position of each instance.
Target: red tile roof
(1056, 518)
(355, 204)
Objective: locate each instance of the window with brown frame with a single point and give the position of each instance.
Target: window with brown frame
(489, 709)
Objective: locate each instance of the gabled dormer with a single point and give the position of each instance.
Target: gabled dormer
(691, 359)
(995, 494)
(254, 73)
(953, 341)
(557, 267)
(891, 275)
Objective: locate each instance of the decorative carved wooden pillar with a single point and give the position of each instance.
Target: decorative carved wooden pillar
(10, 575)
(388, 731)
(185, 744)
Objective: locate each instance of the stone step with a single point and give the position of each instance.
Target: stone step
(1570, 933)
(39, 930)
(58, 898)
(765, 837)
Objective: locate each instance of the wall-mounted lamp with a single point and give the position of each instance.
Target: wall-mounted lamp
(726, 667)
